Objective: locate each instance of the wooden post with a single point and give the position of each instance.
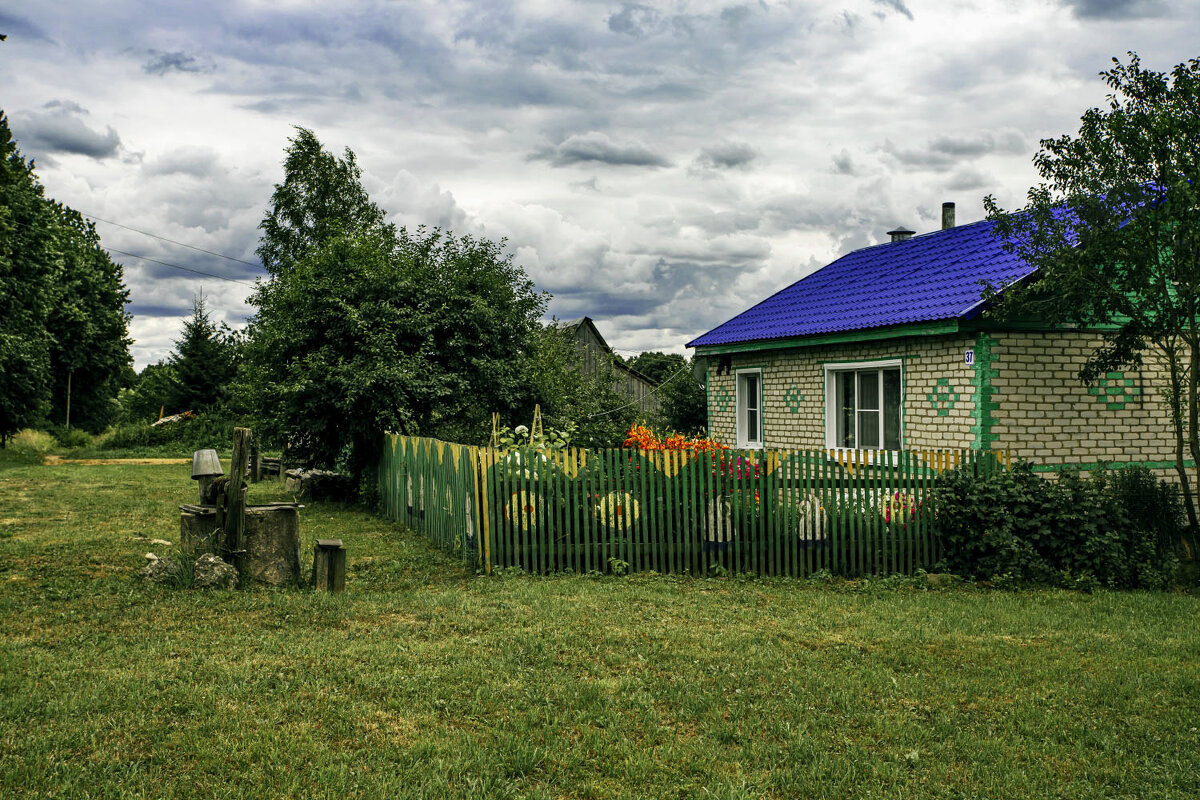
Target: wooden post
(255, 462)
(329, 566)
(235, 495)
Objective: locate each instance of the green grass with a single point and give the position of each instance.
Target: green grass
(424, 680)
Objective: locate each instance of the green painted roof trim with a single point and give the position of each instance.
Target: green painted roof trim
(867, 335)
(940, 328)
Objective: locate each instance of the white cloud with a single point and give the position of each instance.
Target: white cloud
(690, 158)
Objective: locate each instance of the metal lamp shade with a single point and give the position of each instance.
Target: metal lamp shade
(205, 464)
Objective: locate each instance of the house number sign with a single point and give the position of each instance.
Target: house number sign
(969, 358)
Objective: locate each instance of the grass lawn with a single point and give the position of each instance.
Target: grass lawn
(425, 680)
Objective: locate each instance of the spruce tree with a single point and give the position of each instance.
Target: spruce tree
(202, 363)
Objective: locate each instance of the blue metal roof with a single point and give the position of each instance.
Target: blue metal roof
(933, 277)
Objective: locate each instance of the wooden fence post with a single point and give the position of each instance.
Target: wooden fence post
(235, 496)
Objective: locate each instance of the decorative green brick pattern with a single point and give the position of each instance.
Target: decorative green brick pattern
(943, 397)
(1114, 390)
(721, 399)
(985, 393)
(793, 400)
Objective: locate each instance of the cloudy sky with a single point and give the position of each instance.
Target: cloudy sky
(658, 167)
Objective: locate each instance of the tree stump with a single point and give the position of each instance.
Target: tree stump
(271, 552)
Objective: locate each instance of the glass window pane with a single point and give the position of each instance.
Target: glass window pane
(749, 415)
(845, 409)
(868, 390)
(868, 429)
(891, 409)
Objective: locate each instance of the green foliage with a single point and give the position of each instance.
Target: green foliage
(682, 399)
(365, 328)
(202, 365)
(26, 271)
(1015, 528)
(685, 404)
(89, 357)
(320, 199)
(62, 307)
(70, 437)
(1114, 231)
(149, 394)
(204, 431)
(656, 365)
(590, 402)
(521, 437)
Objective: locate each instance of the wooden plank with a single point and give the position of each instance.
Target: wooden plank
(672, 517)
(576, 507)
(834, 470)
(235, 497)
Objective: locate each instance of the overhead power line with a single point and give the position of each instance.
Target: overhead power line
(172, 241)
(176, 266)
(652, 392)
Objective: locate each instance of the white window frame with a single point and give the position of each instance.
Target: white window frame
(831, 370)
(740, 421)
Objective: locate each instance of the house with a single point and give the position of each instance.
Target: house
(595, 356)
(886, 348)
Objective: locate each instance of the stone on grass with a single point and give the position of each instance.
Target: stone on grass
(213, 571)
(157, 570)
(320, 484)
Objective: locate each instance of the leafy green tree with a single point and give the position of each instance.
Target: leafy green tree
(147, 394)
(321, 198)
(202, 363)
(363, 328)
(62, 308)
(684, 402)
(26, 267)
(1114, 231)
(589, 402)
(90, 353)
(682, 399)
(656, 365)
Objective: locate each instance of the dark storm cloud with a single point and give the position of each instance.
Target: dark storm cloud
(162, 63)
(895, 5)
(633, 19)
(944, 153)
(843, 163)
(596, 147)
(969, 180)
(59, 128)
(1115, 9)
(199, 162)
(727, 155)
(20, 28)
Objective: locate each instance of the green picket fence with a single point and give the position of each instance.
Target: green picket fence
(731, 512)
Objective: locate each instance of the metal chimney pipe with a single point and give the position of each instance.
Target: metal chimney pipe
(900, 234)
(947, 216)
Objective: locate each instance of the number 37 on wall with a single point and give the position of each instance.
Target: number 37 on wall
(969, 358)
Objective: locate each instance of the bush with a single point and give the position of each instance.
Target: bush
(31, 443)
(1155, 517)
(201, 432)
(71, 437)
(1014, 528)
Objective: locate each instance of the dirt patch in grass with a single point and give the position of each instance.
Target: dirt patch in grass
(54, 461)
